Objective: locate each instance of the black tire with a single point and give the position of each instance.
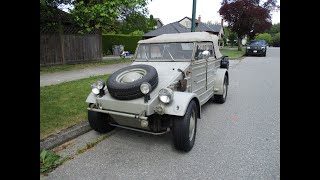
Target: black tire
(220, 99)
(99, 121)
(265, 53)
(127, 91)
(181, 130)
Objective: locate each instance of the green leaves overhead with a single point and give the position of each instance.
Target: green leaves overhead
(102, 14)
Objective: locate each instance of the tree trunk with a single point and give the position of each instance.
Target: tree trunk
(239, 44)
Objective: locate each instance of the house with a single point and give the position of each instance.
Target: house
(184, 25)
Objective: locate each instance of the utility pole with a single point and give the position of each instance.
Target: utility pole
(193, 23)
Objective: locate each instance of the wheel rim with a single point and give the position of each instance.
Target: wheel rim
(192, 125)
(131, 75)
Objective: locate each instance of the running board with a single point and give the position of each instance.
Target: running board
(139, 130)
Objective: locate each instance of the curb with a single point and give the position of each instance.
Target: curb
(64, 136)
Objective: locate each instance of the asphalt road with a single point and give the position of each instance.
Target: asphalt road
(239, 139)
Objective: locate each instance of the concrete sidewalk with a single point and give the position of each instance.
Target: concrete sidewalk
(59, 77)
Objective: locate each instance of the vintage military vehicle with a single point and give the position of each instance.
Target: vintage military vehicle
(171, 77)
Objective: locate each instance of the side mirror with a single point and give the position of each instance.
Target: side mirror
(205, 54)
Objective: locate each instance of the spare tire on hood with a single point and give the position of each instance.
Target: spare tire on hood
(124, 84)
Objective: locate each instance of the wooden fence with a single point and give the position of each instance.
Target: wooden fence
(69, 47)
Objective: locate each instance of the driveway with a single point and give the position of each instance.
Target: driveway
(239, 139)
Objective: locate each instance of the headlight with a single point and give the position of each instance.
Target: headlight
(165, 95)
(262, 47)
(145, 88)
(100, 84)
(95, 89)
(248, 47)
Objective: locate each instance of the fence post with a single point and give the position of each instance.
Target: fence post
(61, 42)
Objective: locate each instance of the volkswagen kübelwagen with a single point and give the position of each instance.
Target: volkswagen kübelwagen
(171, 77)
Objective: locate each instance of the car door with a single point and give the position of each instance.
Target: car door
(199, 67)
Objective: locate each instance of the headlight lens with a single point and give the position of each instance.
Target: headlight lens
(165, 95)
(145, 88)
(248, 47)
(262, 47)
(95, 89)
(100, 84)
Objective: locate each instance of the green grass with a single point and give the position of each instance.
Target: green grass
(64, 105)
(49, 161)
(232, 53)
(68, 67)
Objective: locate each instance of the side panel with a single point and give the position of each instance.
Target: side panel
(198, 72)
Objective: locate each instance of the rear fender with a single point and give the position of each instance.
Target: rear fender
(219, 78)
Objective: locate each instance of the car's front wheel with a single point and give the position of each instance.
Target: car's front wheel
(185, 128)
(99, 121)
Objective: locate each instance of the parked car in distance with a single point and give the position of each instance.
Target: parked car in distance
(171, 77)
(257, 47)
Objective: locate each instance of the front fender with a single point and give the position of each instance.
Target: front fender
(179, 105)
(91, 98)
(219, 78)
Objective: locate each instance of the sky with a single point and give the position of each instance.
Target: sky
(174, 10)
(169, 11)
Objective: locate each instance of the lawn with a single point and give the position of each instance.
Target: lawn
(232, 53)
(64, 105)
(68, 67)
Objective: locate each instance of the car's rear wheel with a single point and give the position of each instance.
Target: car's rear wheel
(99, 121)
(185, 128)
(222, 98)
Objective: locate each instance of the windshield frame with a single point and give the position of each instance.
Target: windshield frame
(165, 60)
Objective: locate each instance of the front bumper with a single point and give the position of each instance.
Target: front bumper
(255, 51)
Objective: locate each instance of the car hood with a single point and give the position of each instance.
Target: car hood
(167, 73)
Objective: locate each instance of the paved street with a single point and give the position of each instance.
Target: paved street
(239, 139)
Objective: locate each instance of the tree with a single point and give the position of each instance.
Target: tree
(137, 21)
(274, 29)
(247, 17)
(276, 40)
(265, 36)
(95, 14)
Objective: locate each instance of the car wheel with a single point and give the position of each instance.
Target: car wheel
(185, 128)
(99, 122)
(124, 84)
(222, 98)
(265, 53)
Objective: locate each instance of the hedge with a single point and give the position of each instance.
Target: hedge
(129, 42)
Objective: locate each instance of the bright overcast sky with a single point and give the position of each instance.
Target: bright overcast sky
(169, 11)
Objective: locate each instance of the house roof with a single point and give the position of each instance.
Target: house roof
(176, 27)
(51, 14)
(171, 28)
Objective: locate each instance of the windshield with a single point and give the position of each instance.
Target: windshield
(165, 52)
(261, 42)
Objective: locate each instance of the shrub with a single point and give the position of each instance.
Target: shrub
(129, 42)
(265, 36)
